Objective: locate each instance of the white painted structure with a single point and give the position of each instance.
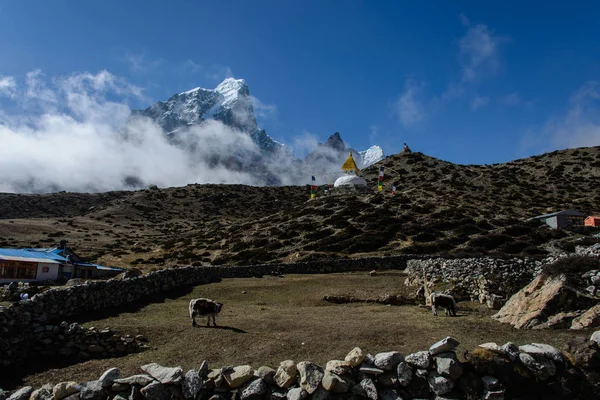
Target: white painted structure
(27, 269)
(350, 180)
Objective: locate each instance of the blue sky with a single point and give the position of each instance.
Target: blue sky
(465, 81)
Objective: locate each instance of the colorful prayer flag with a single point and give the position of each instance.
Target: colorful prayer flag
(380, 183)
(313, 188)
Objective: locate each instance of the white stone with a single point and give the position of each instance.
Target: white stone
(444, 345)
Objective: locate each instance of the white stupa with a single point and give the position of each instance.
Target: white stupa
(351, 180)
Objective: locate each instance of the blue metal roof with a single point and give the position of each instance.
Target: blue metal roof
(31, 254)
(102, 267)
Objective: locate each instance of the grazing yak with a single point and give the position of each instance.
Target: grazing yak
(444, 301)
(204, 307)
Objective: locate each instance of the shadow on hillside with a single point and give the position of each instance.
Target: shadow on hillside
(133, 307)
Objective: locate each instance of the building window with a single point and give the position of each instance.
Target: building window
(45, 269)
(26, 272)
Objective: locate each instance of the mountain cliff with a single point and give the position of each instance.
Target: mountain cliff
(230, 102)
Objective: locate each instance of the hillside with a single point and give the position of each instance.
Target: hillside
(439, 207)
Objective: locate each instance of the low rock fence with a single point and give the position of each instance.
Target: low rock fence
(19, 322)
(75, 341)
(490, 371)
(488, 280)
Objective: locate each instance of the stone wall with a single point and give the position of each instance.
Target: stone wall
(490, 371)
(19, 324)
(488, 280)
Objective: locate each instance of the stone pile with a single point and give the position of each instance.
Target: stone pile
(535, 371)
(593, 250)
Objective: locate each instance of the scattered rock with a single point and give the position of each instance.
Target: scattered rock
(237, 376)
(355, 357)
(589, 319)
(166, 375)
(338, 367)
(334, 383)
(108, 377)
(388, 361)
(543, 350)
(254, 389)
(540, 366)
(139, 380)
(404, 373)
(420, 359)
(439, 384)
(192, 384)
(448, 365)
(267, 374)
(369, 388)
(297, 394)
(92, 390)
(22, 394)
(156, 391)
(563, 319)
(286, 374)
(445, 345)
(311, 376)
(595, 337)
(64, 389)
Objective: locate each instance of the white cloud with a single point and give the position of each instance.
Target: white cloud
(578, 127)
(139, 62)
(79, 138)
(479, 57)
(409, 107)
(305, 143)
(479, 102)
(37, 89)
(8, 86)
(261, 110)
(374, 131)
(479, 50)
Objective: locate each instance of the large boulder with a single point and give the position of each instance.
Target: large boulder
(589, 319)
(539, 300)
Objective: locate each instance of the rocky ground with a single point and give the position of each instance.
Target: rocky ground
(440, 208)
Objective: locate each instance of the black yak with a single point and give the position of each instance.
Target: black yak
(204, 307)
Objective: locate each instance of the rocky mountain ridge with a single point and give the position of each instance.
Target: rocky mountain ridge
(231, 103)
(439, 208)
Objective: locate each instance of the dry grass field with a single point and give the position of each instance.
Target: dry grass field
(268, 320)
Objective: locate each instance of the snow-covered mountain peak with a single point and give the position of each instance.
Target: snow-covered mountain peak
(372, 155)
(231, 89)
